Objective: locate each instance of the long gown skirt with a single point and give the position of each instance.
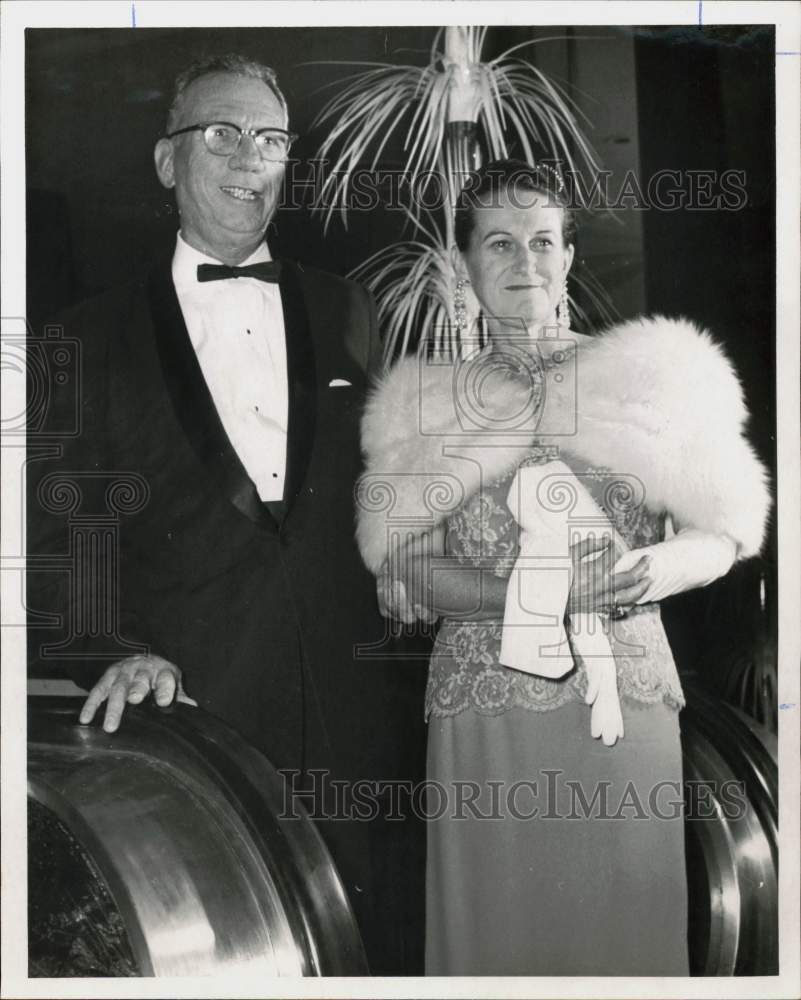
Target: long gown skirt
(593, 884)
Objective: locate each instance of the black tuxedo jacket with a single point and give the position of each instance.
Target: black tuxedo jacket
(261, 606)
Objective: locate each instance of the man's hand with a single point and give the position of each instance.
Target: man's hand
(595, 587)
(393, 601)
(130, 681)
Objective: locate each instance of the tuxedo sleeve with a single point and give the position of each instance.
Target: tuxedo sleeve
(362, 339)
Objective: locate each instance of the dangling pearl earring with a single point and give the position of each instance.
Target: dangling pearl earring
(459, 306)
(563, 309)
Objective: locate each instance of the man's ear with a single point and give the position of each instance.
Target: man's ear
(163, 156)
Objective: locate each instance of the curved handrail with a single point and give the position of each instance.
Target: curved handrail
(208, 814)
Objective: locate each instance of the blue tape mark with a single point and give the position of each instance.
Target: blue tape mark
(788, 53)
(700, 13)
(133, 13)
(785, 705)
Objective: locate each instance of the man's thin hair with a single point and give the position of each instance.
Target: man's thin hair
(230, 62)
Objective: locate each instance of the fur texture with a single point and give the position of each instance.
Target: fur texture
(655, 398)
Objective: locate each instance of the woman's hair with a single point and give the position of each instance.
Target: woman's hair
(488, 183)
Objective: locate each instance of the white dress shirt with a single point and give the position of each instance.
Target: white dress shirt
(236, 326)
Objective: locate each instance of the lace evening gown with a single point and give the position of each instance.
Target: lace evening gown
(550, 854)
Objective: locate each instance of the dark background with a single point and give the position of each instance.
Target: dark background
(680, 98)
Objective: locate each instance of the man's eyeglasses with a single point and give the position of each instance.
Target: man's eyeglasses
(223, 138)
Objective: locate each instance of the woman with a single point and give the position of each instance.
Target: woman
(556, 835)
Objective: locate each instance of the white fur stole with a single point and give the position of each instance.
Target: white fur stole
(652, 398)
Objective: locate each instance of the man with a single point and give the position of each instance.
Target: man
(238, 400)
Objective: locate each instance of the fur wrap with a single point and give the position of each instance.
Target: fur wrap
(654, 398)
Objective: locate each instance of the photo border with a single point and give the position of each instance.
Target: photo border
(16, 16)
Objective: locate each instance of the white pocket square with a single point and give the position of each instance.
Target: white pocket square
(336, 383)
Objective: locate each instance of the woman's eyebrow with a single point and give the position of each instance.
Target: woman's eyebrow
(550, 230)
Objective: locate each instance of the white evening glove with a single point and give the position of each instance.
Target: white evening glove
(606, 718)
(533, 637)
(689, 559)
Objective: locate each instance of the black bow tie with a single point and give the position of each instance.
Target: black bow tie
(267, 270)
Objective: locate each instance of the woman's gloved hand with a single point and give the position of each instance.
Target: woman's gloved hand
(606, 718)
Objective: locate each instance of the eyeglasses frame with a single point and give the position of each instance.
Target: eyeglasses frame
(252, 132)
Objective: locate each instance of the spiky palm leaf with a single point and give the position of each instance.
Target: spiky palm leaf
(367, 112)
(510, 100)
(413, 283)
(602, 311)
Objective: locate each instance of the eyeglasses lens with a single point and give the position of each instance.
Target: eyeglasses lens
(223, 140)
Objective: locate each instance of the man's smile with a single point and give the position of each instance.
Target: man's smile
(240, 193)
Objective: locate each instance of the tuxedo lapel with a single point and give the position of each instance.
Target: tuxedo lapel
(301, 371)
(193, 403)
